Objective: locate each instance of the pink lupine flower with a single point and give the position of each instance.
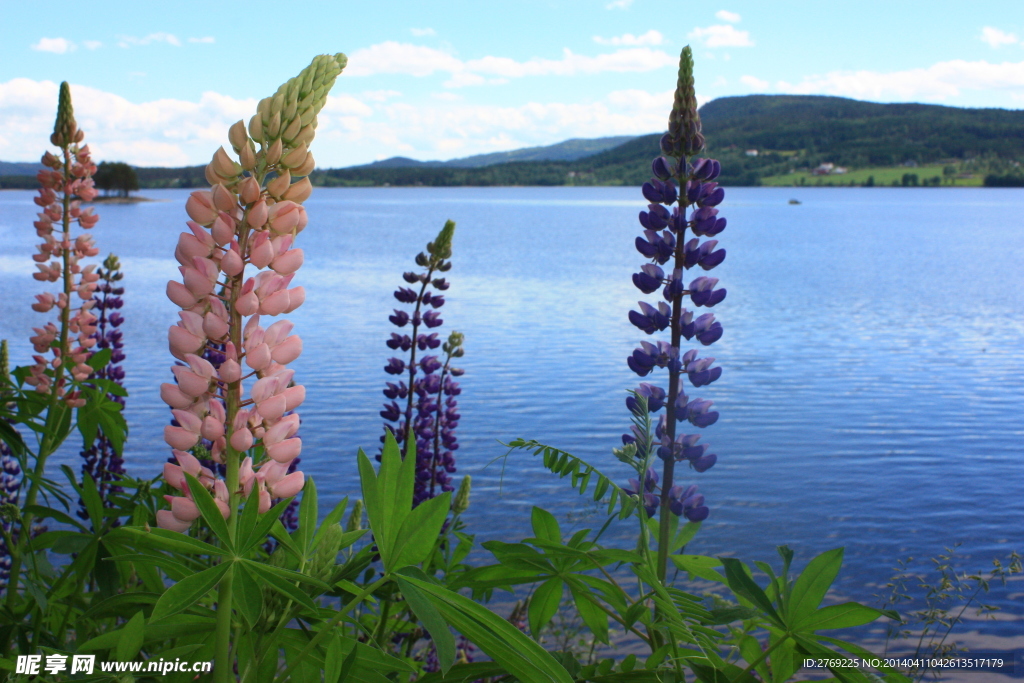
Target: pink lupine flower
(241, 221)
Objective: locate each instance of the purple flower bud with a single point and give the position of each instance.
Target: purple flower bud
(424, 342)
(411, 278)
(651, 319)
(704, 462)
(395, 366)
(399, 341)
(400, 318)
(405, 295)
(433, 318)
(440, 283)
(396, 390)
(713, 198)
(698, 415)
(649, 278)
(702, 292)
(391, 412)
(430, 364)
(661, 168)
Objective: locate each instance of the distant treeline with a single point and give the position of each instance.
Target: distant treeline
(788, 132)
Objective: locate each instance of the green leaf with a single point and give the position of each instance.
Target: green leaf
(337, 665)
(211, 513)
(120, 605)
(428, 615)
(10, 436)
(164, 539)
(685, 535)
(846, 615)
(248, 598)
(332, 518)
(188, 591)
(726, 615)
(280, 585)
(419, 533)
(42, 512)
(93, 504)
(699, 565)
(810, 588)
(259, 533)
(544, 605)
(741, 584)
(592, 615)
(248, 519)
(131, 639)
(308, 514)
(63, 542)
(504, 643)
(545, 526)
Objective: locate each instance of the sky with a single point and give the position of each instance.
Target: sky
(158, 84)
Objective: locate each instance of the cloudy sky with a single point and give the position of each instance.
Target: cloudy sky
(159, 84)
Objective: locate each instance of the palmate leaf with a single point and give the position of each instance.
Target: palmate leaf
(581, 474)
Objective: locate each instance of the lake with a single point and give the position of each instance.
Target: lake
(873, 387)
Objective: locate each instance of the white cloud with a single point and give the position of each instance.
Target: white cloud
(420, 32)
(652, 37)
(938, 82)
(754, 82)
(57, 46)
(994, 37)
(722, 35)
(164, 132)
(619, 4)
(92, 44)
(159, 37)
(204, 39)
(379, 95)
(726, 15)
(417, 60)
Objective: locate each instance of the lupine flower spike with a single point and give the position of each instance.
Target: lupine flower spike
(102, 462)
(10, 476)
(689, 185)
(250, 217)
(65, 183)
(435, 418)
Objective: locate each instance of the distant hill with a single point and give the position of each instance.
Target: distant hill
(569, 150)
(788, 132)
(9, 168)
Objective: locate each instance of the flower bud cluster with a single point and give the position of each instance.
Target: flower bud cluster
(65, 182)
(430, 389)
(238, 226)
(683, 196)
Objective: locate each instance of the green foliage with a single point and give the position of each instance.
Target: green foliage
(116, 176)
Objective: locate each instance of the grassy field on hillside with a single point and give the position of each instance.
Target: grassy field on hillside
(883, 177)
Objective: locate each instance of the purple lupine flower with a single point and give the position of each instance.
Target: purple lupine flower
(688, 184)
(421, 409)
(10, 480)
(102, 463)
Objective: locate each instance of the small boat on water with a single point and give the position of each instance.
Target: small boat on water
(794, 201)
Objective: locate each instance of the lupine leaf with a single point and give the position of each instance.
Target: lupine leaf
(279, 584)
(544, 605)
(545, 526)
(248, 597)
(845, 615)
(595, 619)
(812, 584)
(131, 638)
(308, 514)
(332, 518)
(165, 540)
(188, 591)
(415, 540)
(741, 584)
(258, 534)
(504, 643)
(211, 513)
(428, 615)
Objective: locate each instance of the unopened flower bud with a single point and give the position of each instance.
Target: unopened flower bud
(256, 128)
(461, 502)
(247, 156)
(223, 165)
(274, 153)
(292, 129)
(295, 157)
(355, 520)
(249, 190)
(299, 192)
(306, 167)
(237, 136)
(279, 185)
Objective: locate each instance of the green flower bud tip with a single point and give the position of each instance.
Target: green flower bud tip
(461, 502)
(355, 520)
(112, 262)
(441, 247)
(684, 135)
(64, 128)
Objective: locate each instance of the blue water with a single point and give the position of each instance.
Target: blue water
(873, 386)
